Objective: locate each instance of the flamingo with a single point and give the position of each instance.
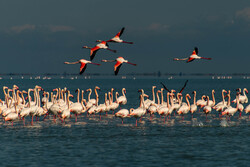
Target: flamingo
(247, 110)
(193, 107)
(101, 45)
(231, 110)
(164, 110)
(184, 109)
(123, 113)
(207, 109)
(138, 113)
(122, 100)
(12, 116)
(76, 107)
(92, 110)
(192, 57)
(117, 38)
(119, 62)
(242, 98)
(66, 112)
(83, 63)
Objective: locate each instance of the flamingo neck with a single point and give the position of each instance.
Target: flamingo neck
(158, 98)
(188, 102)
(153, 92)
(194, 97)
(90, 91)
(223, 98)
(78, 96)
(213, 97)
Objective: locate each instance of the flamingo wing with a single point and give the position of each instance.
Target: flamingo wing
(165, 88)
(190, 59)
(196, 50)
(117, 67)
(83, 68)
(184, 86)
(93, 52)
(120, 33)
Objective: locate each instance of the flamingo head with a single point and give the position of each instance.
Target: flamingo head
(16, 87)
(246, 90)
(77, 90)
(97, 88)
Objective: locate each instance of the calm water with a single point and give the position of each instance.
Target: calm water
(91, 142)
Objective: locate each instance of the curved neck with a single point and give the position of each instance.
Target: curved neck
(90, 91)
(223, 98)
(213, 97)
(123, 92)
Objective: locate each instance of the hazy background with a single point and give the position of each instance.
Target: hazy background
(38, 36)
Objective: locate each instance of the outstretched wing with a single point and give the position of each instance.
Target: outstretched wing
(196, 50)
(165, 88)
(117, 67)
(120, 33)
(184, 86)
(83, 68)
(190, 59)
(93, 52)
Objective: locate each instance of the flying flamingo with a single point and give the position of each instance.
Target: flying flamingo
(193, 56)
(117, 39)
(118, 64)
(83, 63)
(101, 45)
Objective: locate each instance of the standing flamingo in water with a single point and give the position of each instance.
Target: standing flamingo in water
(83, 63)
(193, 57)
(118, 64)
(117, 38)
(101, 45)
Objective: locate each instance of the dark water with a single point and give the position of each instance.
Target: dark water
(90, 142)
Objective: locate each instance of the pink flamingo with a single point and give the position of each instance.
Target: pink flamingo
(83, 63)
(101, 45)
(119, 62)
(117, 38)
(193, 56)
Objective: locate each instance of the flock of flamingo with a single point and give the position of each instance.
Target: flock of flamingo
(120, 60)
(104, 45)
(19, 104)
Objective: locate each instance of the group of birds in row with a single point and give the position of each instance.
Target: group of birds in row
(16, 106)
(104, 45)
(120, 60)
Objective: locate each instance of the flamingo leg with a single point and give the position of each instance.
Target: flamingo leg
(76, 118)
(23, 121)
(32, 120)
(45, 116)
(122, 120)
(136, 122)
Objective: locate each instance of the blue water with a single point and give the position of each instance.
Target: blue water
(90, 142)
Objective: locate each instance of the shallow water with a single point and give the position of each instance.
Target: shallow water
(192, 142)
